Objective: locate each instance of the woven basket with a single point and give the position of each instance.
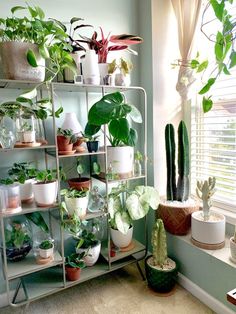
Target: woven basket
(177, 220)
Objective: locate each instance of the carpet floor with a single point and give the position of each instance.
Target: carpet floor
(122, 292)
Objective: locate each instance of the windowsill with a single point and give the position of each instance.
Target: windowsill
(221, 254)
(230, 216)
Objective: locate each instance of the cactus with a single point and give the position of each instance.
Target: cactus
(159, 243)
(204, 191)
(170, 162)
(183, 163)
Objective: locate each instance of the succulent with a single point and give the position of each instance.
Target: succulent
(159, 243)
(205, 189)
(181, 192)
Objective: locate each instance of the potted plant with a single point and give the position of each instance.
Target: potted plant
(88, 243)
(73, 265)
(65, 141)
(76, 201)
(161, 271)
(208, 227)
(233, 246)
(177, 209)
(28, 134)
(123, 78)
(45, 187)
(23, 174)
(80, 183)
(91, 142)
(112, 110)
(12, 195)
(135, 207)
(18, 238)
(46, 248)
(28, 35)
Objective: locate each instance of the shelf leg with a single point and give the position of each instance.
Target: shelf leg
(16, 292)
(140, 271)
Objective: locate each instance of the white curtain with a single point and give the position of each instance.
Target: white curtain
(187, 13)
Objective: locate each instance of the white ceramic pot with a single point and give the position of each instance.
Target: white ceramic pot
(90, 68)
(68, 73)
(45, 194)
(46, 253)
(121, 158)
(77, 205)
(29, 137)
(122, 80)
(208, 232)
(26, 190)
(121, 240)
(233, 249)
(15, 65)
(92, 254)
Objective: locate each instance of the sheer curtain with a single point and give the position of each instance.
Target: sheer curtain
(187, 13)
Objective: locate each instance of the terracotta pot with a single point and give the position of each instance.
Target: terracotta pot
(177, 220)
(63, 143)
(72, 274)
(79, 183)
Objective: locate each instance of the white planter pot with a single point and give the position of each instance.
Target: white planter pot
(122, 80)
(15, 65)
(46, 253)
(26, 190)
(92, 254)
(90, 68)
(77, 205)
(28, 137)
(121, 240)
(121, 158)
(45, 194)
(208, 232)
(69, 74)
(233, 249)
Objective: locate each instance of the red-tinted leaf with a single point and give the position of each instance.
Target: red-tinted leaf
(115, 47)
(126, 39)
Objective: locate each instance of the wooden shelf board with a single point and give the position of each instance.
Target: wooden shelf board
(2, 150)
(86, 153)
(138, 247)
(29, 265)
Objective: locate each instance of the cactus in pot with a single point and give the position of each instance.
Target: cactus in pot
(205, 189)
(161, 271)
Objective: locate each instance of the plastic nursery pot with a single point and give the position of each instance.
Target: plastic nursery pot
(92, 146)
(161, 280)
(79, 183)
(64, 144)
(72, 274)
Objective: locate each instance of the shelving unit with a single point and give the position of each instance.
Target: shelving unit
(36, 281)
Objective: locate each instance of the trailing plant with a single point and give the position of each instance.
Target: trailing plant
(224, 47)
(71, 223)
(102, 46)
(205, 190)
(20, 172)
(86, 240)
(67, 133)
(46, 245)
(159, 245)
(113, 111)
(16, 237)
(75, 260)
(181, 192)
(134, 207)
(73, 193)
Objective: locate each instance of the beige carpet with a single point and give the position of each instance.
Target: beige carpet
(120, 292)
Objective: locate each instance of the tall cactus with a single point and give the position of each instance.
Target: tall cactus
(170, 162)
(204, 191)
(183, 163)
(159, 243)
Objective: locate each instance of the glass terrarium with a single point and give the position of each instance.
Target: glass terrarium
(26, 128)
(7, 132)
(18, 238)
(13, 199)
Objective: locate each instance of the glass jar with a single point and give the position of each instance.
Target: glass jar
(26, 127)
(96, 200)
(18, 238)
(137, 168)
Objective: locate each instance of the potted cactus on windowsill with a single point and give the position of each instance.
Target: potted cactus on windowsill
(208, 226)
(161, 271)
(177, 209)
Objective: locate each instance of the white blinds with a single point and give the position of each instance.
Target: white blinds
(213, 142)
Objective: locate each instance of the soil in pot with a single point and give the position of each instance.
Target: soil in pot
(161, 279)
(64, 144)
(72, 274)
(80, 183)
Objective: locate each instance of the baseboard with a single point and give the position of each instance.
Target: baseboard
(203, 296)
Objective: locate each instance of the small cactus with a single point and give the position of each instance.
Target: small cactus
(205, 189)
(159, 243)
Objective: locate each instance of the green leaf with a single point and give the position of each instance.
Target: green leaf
(135, 114)
(58, 112)
(219, 48)
(207, 87)
(194, 64)
(207, 104)
(91, 129)
(38, 220)
(202, 66)
(17, 8)
(119, 128)
(132, 138)
(225, 69)
(75, 19)
(42, 114)
(31, 58)
(32, 11)
(40, 12)
(122, 222)
(43, 50)
(232, 59)
(30, 94)
(218, 8)
(60, 24)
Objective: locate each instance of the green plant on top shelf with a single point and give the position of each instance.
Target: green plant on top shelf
(113, 111)
(20, 172)
(46, 245)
